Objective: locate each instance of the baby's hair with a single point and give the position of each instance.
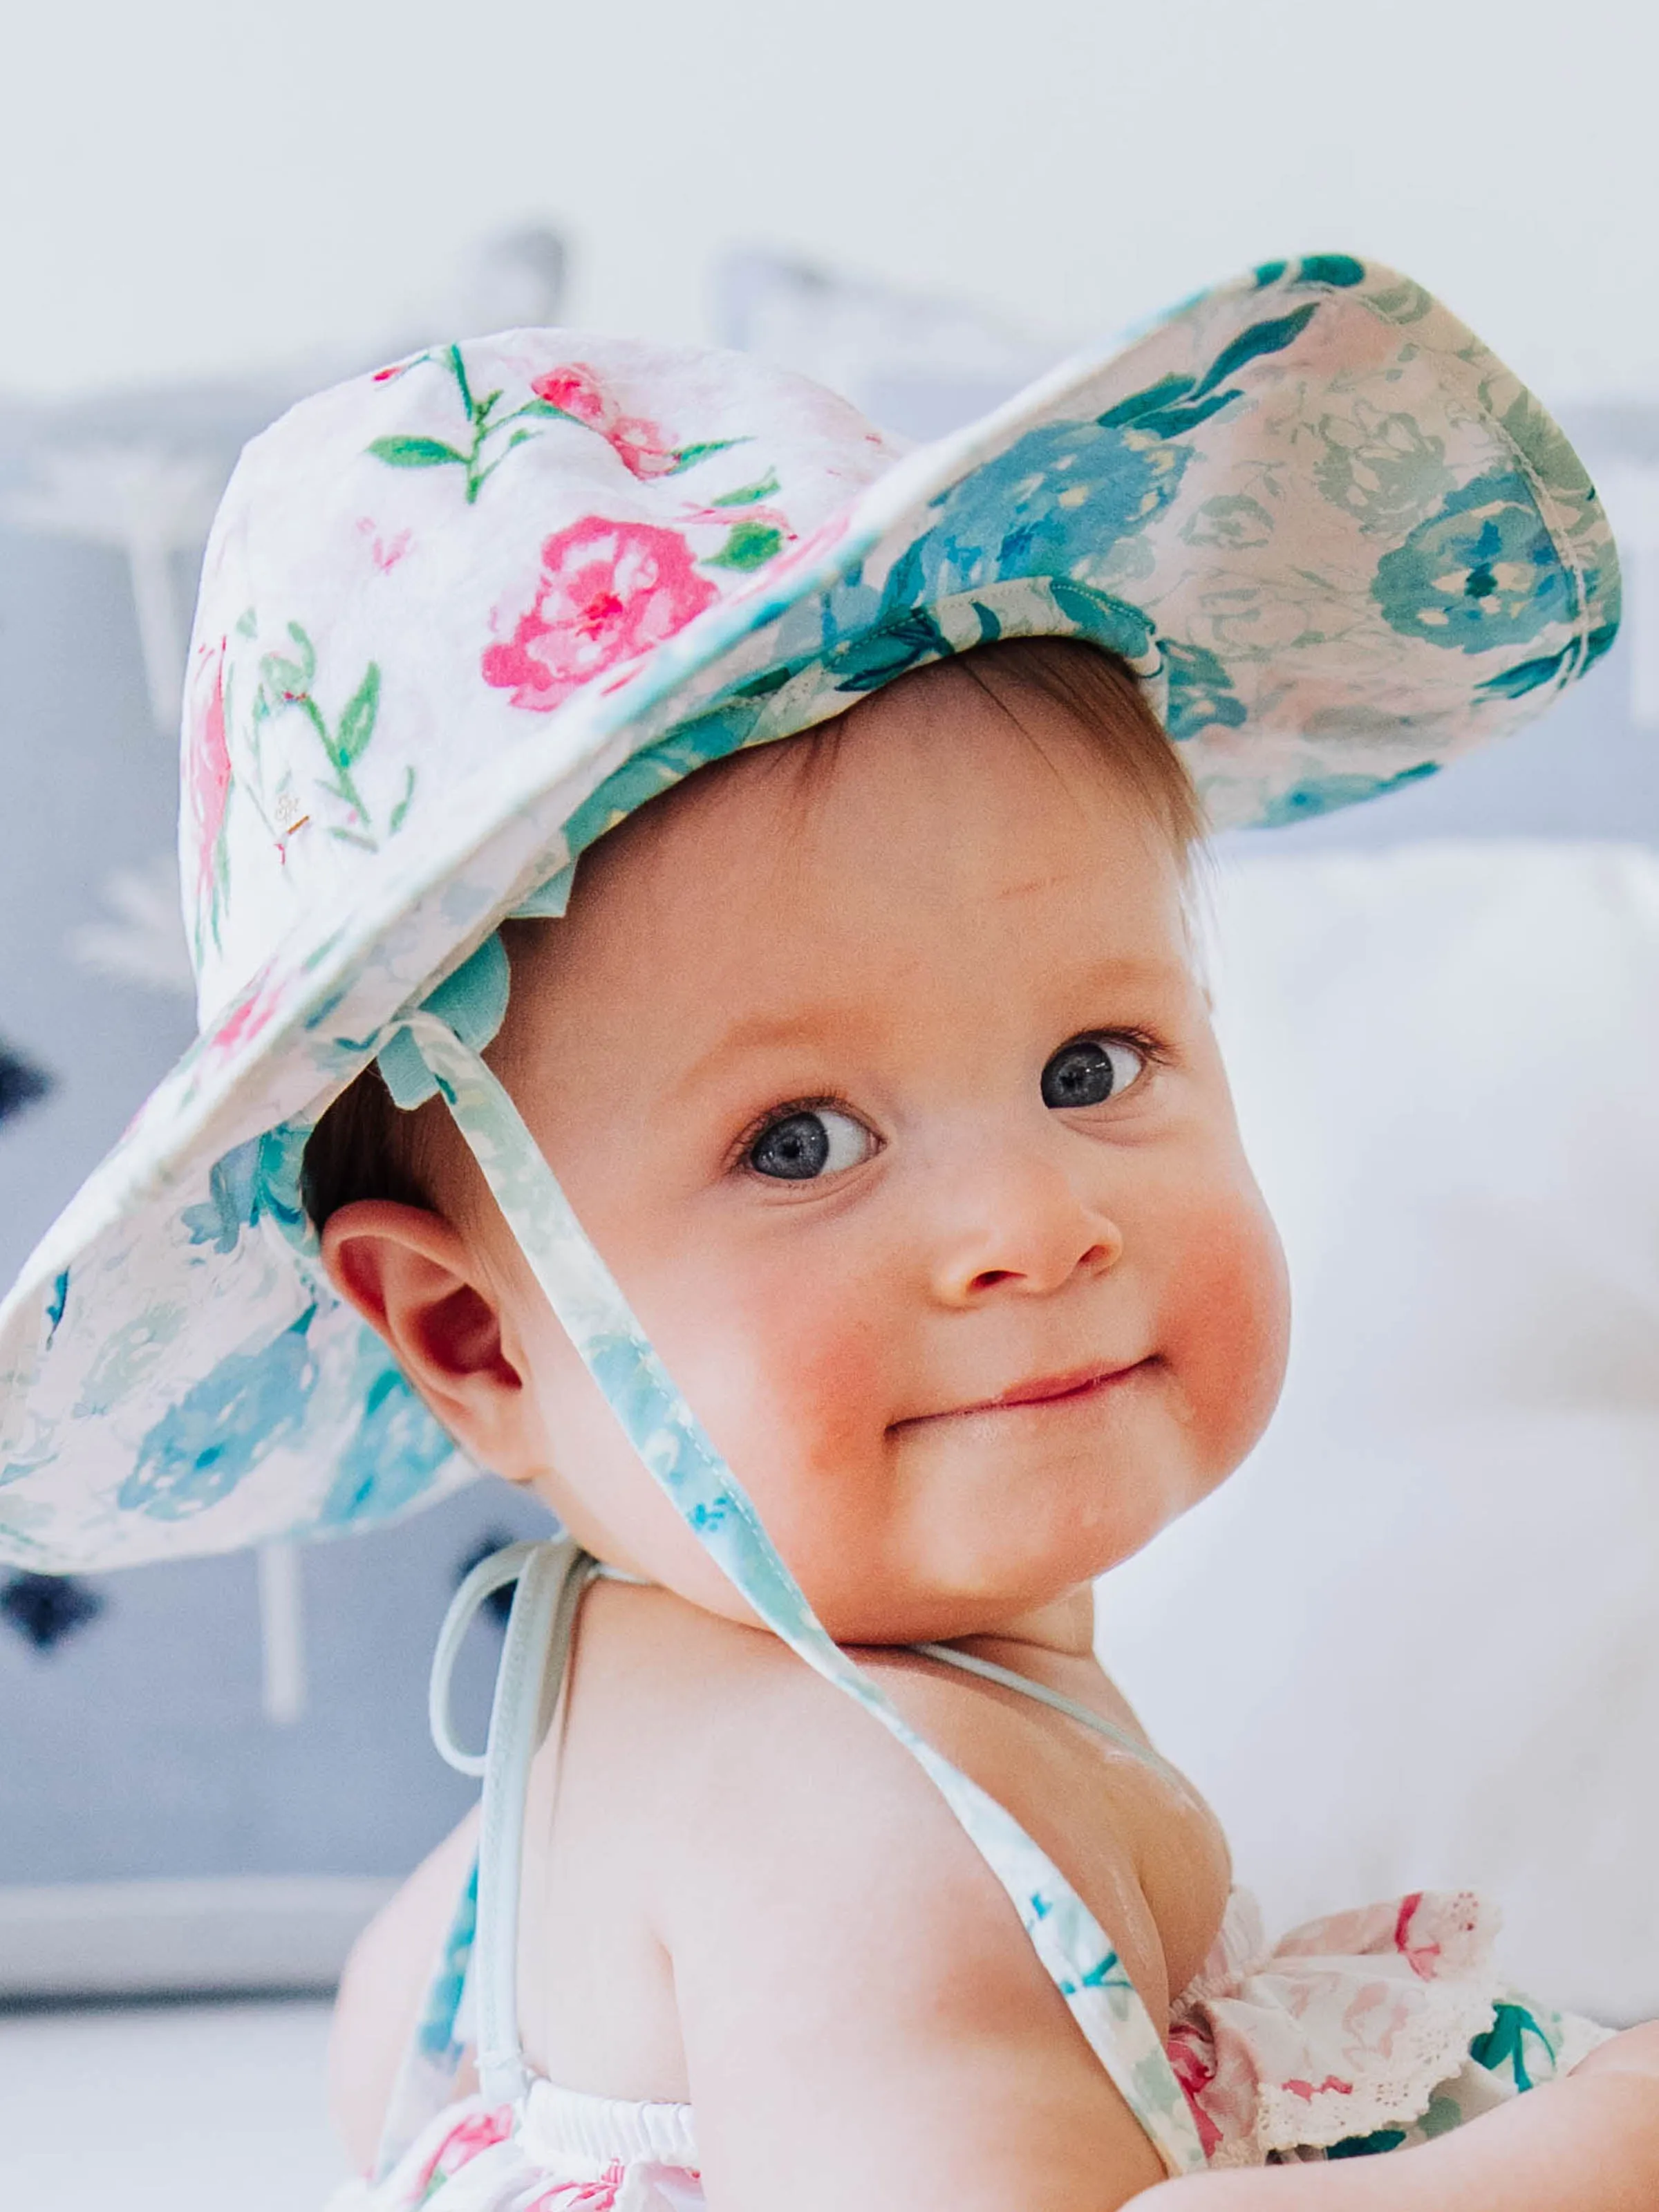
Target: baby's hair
(365, 1147)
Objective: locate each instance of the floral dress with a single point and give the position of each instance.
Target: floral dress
(1356, 2034)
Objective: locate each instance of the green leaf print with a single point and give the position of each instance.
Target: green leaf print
(687, 457)
(402, 808)
(747, 494)
(409, 452)
(285, 685)
(290, 678)
(285, 677)
(356, 725)
(751, 545)
(411, 449)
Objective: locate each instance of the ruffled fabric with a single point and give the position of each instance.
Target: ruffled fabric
(560, 2151)
(1354, 2035)
(1358, 2033)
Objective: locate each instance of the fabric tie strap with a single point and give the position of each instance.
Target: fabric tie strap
(1076, 1953)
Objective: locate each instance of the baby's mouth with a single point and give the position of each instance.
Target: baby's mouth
(1076, 1385)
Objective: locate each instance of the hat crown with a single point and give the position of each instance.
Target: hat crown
(411, 571)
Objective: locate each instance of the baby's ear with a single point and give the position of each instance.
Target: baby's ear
(416, 1282)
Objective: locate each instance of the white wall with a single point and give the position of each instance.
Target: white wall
(192, 185)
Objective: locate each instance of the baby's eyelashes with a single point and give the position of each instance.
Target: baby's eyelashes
(808, 1138)
(1090, 1070)
(804, 1143)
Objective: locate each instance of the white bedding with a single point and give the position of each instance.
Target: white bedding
(1415, 1642)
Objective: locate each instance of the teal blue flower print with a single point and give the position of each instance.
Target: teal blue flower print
(1339, 270)
(625, 1370)
(1232, 520)
(1061, 496)
(202, 1446)
(1482, 572)
(257, 1182)
(435, 2036)
(1202, 696)
(1513, 2045)
(396, 1450)
(1386, 471)
(1323, 794)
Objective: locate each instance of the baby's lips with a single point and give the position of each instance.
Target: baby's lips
(1054, 1388)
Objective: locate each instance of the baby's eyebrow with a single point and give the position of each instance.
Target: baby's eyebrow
(841, 1021)
(760, 1032)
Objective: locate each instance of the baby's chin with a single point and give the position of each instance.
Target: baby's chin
(986, 1593)
(953, 1529)
(977, 1571)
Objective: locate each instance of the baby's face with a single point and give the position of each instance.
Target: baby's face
(885, 1084)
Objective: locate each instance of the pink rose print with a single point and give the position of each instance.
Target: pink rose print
(638, 445)
(608, 592)
(248, 1016)
(383, 552)
(1424, 1958)
(575, 390)
(644, 449)
(1194, 2068)
(1309, 2090)
(479, 2131)
(209, 763)
(571, 393)
(599, 2196)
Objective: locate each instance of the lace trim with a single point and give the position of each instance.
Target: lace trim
(1431, 2048)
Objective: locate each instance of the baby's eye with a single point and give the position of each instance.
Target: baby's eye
(813, 1141)
(1090, 1071)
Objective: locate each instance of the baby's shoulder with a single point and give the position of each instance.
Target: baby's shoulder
(759, 1789)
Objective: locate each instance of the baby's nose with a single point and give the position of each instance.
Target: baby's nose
(1021, 1226)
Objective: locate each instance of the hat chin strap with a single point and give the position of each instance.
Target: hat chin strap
(1079, 1958)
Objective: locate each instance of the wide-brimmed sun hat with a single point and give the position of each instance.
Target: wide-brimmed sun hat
(461, 617)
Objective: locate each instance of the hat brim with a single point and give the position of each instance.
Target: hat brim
(1339, 540)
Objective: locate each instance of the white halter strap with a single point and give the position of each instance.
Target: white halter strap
(1075, 1951)
(551, 1579)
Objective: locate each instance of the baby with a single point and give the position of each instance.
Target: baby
(700, 1019)
(893, 1102)
(893, 1099)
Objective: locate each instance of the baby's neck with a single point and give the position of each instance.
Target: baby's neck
(1066, 1625)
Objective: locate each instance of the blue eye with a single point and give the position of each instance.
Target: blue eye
(1090, 1071)
(809, 1143)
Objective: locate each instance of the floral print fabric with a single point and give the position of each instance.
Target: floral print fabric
(460, 618)
(1355, 2036)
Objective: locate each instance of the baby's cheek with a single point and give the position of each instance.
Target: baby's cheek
(1227, 1326)
(792, 1375)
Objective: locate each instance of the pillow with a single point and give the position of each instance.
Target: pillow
(1415, 1641)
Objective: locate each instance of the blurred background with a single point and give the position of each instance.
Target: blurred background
(1441, 1012)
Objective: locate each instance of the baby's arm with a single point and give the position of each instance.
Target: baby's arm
(1587, 2144)
(382, 1989)
(865, 2020)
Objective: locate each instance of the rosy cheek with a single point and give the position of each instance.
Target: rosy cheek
(788, 1365)
(1227, 1325)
